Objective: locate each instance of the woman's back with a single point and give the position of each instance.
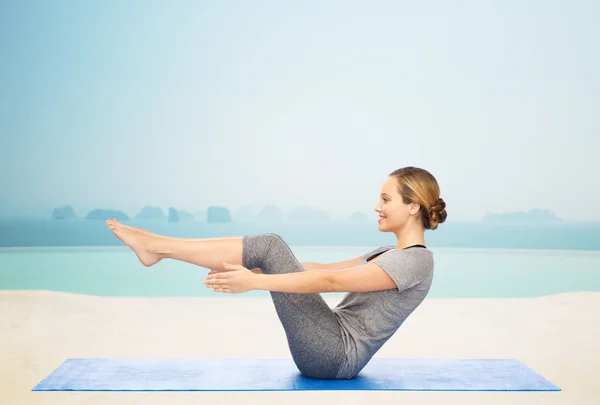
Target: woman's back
(369, 319)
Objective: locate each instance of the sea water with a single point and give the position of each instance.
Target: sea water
(459, 272)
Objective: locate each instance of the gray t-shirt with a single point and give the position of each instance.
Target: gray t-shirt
(369, 319)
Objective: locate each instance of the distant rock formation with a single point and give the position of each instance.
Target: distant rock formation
(150, 213)
(358, 217)
(173, 215)
(534, 215)
(218, 214)
(247, 213)
(270, 214)
(65, 212)
(185, 216)
(308, 214)
(106, 214)
(177, 215)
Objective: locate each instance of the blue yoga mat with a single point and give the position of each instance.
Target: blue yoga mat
(282, 375)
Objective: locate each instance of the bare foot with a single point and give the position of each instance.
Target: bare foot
(135, 239)
(150, 233)
(122, 225)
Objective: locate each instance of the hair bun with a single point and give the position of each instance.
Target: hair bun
(438, 206)
(437, 213)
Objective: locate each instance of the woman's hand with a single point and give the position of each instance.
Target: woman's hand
(235, 279)
(255, 270)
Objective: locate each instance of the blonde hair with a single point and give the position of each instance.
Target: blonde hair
(419, 186)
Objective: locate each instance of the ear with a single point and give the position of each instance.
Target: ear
(414, 208)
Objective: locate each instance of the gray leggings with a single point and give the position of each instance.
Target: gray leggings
(313, 333)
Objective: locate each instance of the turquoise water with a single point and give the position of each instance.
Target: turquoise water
(459, 272)
(451, 234)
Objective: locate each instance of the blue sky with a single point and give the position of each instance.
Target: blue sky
(189, 104)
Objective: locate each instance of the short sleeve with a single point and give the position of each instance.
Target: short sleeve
(375, 251)
(406, 268)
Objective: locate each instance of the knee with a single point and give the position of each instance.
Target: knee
(273, 236)
(256, 248)
(273, 239)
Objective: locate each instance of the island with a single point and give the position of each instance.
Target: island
(247, 213)
(66, 212)
(358, 217)
(218, 214)
(104, 214)
(179, 215)
(150, 213)
(270, 214)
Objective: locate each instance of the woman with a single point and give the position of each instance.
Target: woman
(384, 286)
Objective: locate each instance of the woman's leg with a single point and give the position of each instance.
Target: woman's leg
(313, 332)
(151, 248)
(158, 235)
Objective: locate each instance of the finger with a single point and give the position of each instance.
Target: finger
(213, 283)
(210, 273)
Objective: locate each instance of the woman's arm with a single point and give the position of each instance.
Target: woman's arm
(315, 281)
(305, 265)
(313, 266)
(332, 266)
(367, 277)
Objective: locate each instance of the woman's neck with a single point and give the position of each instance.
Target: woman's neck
(409, 237)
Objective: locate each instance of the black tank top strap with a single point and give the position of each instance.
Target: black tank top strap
(381, 250)
(417, 245)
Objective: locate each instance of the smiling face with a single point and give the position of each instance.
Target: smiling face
(394, 213)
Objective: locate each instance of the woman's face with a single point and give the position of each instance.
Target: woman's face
(392, 210)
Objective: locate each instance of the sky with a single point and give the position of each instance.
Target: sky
(109, 104)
